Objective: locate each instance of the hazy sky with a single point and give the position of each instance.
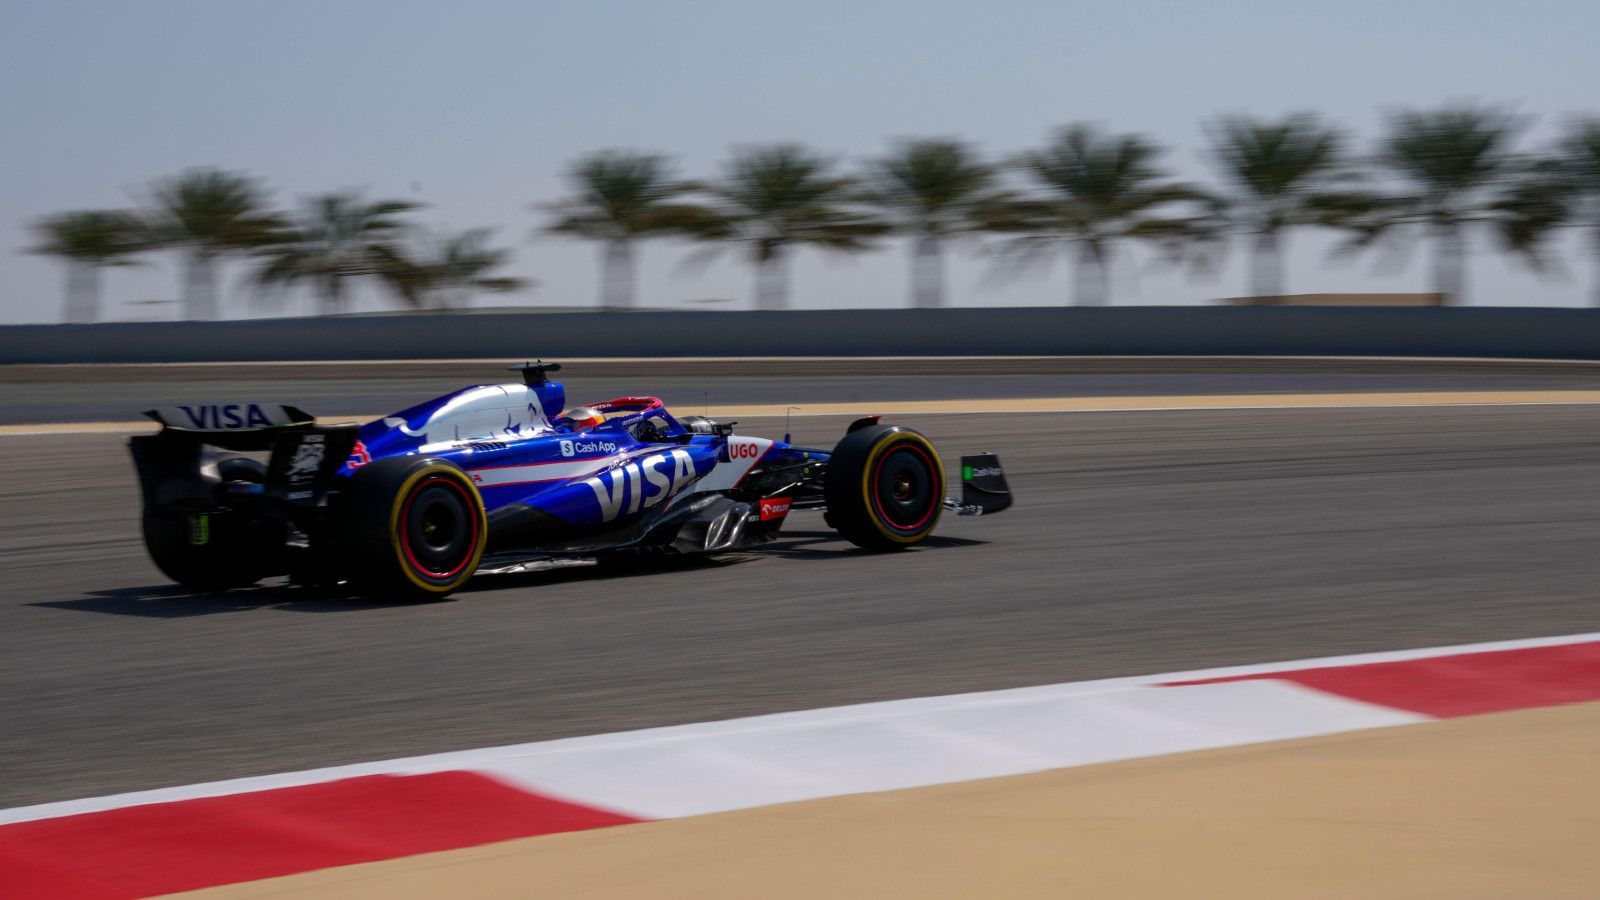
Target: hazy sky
(475, 106)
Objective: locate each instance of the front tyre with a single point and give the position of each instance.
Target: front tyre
(884, 487)
(414, 529)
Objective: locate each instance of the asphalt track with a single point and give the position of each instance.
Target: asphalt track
(33, 394)
(1142, 542)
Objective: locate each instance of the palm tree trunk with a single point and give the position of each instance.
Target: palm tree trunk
(927, 273)
(772, 279)
(1450, 270)
(332, 291)
(199, 287)
(1094, 274)
(616, 275)
(1266, 266)
(83, 292)
(1595, 234)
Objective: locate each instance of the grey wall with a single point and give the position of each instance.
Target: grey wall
(1149, 330)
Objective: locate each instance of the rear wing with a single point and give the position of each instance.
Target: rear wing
(176, 464)
(232, 426)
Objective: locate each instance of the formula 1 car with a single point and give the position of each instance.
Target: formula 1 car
(503, 478)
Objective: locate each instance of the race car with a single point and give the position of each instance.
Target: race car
(505, 478)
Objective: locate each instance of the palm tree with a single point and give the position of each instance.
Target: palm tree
(1098, 190)
(1459, 169)
(776, 198)
(338, 237)
(932, 189)
(88, 241)
(1283, 174)
(619, 198)
(448, 271)
(210, 215)
(1572, 196)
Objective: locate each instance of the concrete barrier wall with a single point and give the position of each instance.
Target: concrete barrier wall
(1149, 330)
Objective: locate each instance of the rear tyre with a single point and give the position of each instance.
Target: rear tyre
(884, 487)
(218, 549)
(413, 529)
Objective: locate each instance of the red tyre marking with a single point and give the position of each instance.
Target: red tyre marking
(877, 504)
(405, 532)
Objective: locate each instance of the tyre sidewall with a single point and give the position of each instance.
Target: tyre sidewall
(850, 487)
(369, 520)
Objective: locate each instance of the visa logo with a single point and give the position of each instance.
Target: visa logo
(641, 484)
(225, 416)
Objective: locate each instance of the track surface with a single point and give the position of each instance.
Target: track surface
(1142, 542)
(33, 394)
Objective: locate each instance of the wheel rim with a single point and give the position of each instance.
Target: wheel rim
(905, 488)
(439, 528)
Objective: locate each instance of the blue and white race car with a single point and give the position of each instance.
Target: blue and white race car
(503, 478)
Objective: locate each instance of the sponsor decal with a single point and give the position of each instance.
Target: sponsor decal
(226, 416)
(579, 447)
(970, 472)
(200, 529)
(359, 456)
(774, 507)
(744, 450)
(642, 483)
(307, 458)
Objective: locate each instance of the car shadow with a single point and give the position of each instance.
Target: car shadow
(805, 544)
(829, 545)
(170, 601)
(605, 570)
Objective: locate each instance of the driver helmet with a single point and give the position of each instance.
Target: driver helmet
(583, 418)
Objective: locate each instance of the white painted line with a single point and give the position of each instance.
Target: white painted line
(1013, 730)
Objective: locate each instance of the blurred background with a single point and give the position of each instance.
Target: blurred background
(1196, 486)
(201, 160)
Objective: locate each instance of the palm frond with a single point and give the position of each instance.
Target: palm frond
(99, 237)
(620, 195)
(439, 268)
(785, 195)
(1530, 211)
(1093, 189)
(214, 211)
(337, 236)
(929, 186)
